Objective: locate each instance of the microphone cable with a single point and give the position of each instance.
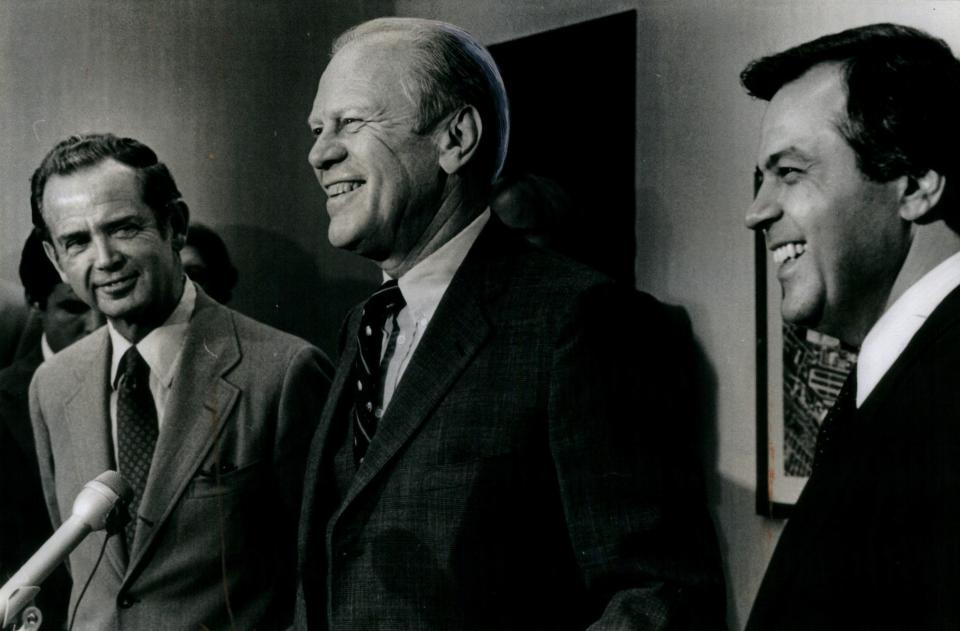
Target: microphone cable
(103, 548)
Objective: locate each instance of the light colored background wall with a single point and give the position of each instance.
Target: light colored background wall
(221, 90)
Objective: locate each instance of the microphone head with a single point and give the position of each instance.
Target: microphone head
(96, 501)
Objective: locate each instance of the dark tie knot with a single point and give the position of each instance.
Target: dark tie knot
(388, 299)
(133, 369)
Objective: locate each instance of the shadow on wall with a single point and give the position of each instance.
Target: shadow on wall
(281, 285)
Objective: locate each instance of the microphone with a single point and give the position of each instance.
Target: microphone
(101, 504)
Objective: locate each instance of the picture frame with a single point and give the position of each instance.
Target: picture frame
(799, 375)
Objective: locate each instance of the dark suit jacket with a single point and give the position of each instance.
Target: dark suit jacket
(217, 531)
(874, 542)
(24, 521)
(530, 471)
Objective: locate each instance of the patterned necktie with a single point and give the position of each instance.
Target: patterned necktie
(136, 429)
(842, 411)
(384, 303)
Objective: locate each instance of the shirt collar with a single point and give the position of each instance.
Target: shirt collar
(45, 347)
(897, 326)
(425, 283)
(161, 347)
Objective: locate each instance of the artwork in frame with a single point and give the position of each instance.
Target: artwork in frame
(800, 373)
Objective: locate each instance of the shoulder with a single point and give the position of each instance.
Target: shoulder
(65, 365)
(261, 346)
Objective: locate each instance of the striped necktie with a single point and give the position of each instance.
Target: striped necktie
(385, 303)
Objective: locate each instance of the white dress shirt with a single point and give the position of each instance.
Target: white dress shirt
(422, 287)
(897, 326)
(161, 349)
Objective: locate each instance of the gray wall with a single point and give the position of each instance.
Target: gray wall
(222, 89)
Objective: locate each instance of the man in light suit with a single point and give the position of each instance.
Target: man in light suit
(506, 441)
(24, 521)
(858, 202)
(205, 412)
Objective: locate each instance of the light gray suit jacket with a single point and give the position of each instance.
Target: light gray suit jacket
(216, 541)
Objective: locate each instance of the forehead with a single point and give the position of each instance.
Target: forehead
(804, 113)
(372, 72)
(104, 188)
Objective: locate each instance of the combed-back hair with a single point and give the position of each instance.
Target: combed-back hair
(450, 69)
(72, 154)
(903, 100)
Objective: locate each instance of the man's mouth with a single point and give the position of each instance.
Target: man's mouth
(788, 252)
(340, 188)
(116, 284)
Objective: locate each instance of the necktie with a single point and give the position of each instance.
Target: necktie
(136, 429)
(384, 303)
(842, 411)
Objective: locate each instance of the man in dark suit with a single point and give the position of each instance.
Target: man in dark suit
(506, 441)
(24, 521)
(206, 413)
(859, 205)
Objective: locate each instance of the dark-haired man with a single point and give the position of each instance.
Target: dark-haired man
(25, 522)
(859, 205)
(504, 445)
(206, 413)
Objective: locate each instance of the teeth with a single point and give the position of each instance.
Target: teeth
(788, 251)
(342, 187)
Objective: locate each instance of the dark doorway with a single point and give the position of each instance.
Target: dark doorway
(572, 97)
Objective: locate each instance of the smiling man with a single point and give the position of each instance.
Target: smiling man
(207, 414)
(858, 202)
(506, 444)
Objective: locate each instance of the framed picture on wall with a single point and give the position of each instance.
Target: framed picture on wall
(800, 373)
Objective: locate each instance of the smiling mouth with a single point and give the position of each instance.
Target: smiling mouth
(788, 252)
(342, 188)
(116, 284)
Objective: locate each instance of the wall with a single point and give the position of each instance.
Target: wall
(696, 137)
(221, 90)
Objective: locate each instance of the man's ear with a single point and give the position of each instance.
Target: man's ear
(51, 253)
(459, 138)
(920, 194)
(178, 221)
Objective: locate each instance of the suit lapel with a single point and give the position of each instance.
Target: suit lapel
(199, 404)
(87, 415)
(455, 334)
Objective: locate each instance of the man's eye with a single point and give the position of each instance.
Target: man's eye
(789, 174)
(350, 123)
(316, 131)
(126, 231)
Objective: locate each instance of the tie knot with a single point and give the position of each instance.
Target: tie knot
(133, 368)
(388, 299)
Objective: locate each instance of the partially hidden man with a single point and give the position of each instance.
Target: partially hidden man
(859, 206)
(206, 413)
(506, 441)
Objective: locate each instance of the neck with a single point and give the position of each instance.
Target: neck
(932, 244)
(456, 211)
(137, 327)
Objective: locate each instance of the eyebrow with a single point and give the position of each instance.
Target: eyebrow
(789, 152)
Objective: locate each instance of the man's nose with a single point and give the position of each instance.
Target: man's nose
(765, 208)
(107, 256)
(326, 151)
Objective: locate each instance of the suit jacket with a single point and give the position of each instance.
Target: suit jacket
(217, 531)
(874, 541)
(530, 471)
(24, 521)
